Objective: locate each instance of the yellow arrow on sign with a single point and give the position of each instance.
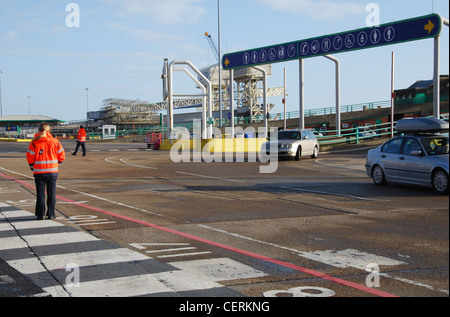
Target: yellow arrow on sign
(429, 27)
(227, 62)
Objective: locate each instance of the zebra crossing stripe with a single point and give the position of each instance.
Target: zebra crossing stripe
(44, 250)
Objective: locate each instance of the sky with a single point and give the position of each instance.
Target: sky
(49, 54)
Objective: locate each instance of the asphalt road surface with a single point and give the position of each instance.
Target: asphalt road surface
(153, 227)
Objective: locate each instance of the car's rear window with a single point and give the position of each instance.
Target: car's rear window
(435, 145)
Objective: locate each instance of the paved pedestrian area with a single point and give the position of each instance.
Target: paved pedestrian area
(52, 259)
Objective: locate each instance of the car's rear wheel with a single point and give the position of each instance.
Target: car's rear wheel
(440, 181)
(378, 175)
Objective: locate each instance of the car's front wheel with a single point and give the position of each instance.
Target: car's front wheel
(378, 175)
(298, 154)
(440, 181)
(315, 153)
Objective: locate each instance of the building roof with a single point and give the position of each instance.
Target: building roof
(27, 119)
(422, 84)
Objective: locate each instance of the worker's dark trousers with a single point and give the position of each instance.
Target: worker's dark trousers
(45, 181)
(83, 147)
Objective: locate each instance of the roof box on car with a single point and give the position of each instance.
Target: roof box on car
(422, 125)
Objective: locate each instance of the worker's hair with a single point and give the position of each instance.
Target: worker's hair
(44, 126)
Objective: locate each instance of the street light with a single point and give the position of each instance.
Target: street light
(29, 106)
(87, 103)
(1, 97)
(220, 64)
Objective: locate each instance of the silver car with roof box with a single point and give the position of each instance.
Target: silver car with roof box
(419, 156)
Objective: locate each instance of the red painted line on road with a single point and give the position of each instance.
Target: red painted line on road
(225, 247)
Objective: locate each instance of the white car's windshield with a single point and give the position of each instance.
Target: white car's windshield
(289, 135)
(435, 145)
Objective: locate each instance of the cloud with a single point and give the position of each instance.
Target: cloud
(11, 35)
(164, 12)
(318, 10)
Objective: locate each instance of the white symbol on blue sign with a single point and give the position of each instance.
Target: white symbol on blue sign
(349, 41)
(263, 55)
(315, 46)
(362, 38)
(246, 58)
(281, 52)
(291, 50)
(326, 45)
(375, 36)
(254, 57)
(272, 54)
(337, 43)
(389, 34)
(304, 48)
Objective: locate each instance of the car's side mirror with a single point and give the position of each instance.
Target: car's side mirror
(416, 153)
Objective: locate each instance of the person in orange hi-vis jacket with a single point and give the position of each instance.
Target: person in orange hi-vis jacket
(44, 156)
(81, 141)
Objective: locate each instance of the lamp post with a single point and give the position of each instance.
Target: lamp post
(1, 98)
(220, 64)
(87, 103)
(29, 105)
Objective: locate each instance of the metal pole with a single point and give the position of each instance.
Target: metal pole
(437, 80)
(266, 112)
(87, 103)
(392, 95)
(1, 97)
(285, 122)
(169, 102)
(29, 105)
(338, 93)
(231, 102)
(220, 64)
(302, 97)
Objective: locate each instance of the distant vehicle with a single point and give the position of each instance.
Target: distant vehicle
(366, 133)
(420, 156)
(294, 144)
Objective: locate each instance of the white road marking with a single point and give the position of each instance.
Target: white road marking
(6, 279)
(182, 255)
(93, 196)
(219, 269)
(335, 261)
(184, 247)
(331, 193)
(212, 177)
(136, 165)
(51, 274)
(360, 168)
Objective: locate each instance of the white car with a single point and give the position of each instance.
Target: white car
(294, 144)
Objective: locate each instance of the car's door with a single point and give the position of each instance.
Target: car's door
(390, 159)
(307, 143)
(412, 163)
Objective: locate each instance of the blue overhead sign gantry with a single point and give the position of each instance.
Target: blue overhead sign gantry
(428, 26)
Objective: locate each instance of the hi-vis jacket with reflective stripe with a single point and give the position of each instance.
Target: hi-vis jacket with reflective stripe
(45, 154)
(81, 136)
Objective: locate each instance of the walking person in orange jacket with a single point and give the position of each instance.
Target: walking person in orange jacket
(44, 156)
(81, 141)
